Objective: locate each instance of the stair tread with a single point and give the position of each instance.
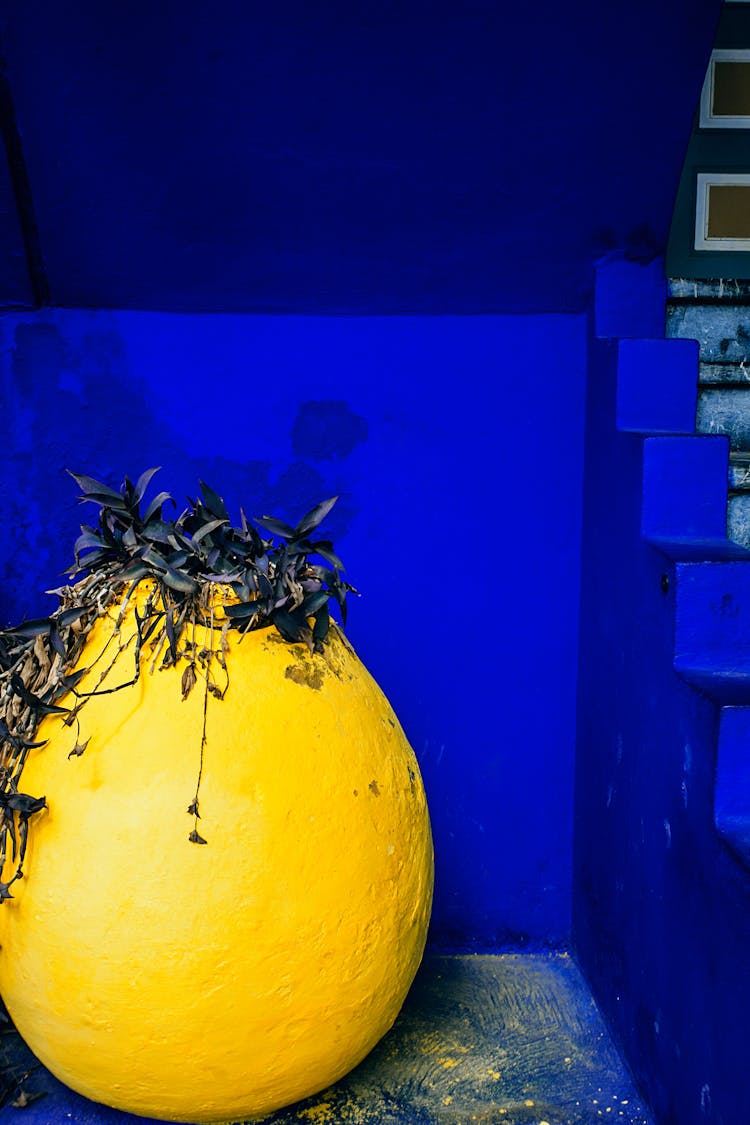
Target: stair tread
(731, 375)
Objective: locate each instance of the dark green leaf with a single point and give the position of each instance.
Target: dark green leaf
(34, 701)
(144, 480)
(242, 609)
(325, 550)
(87, 539)
(214, 502)
(155, 505)
(313, 602)
(105, 500)
(134, 570)
(177, 559)
(314, 517)
(91, 488)
(276, 527)
(292, 626)
(56, 642)
(68, 616)
(70, 679)
(153, 558)
(24, 803)
(89, 562)
(169, 628)
(130, 539)
(181, 582)
(322, 625)
(157, 531)
(207, 529)
(34, 628)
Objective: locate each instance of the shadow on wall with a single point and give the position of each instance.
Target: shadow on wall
(73, 404)
(455, 445)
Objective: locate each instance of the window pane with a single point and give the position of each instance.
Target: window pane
(731, 89)
(729, 211)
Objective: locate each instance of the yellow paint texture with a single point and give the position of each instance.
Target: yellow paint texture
(203, 983)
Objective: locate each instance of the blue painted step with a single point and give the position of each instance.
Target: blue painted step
(684, 488)
(629, 298)
(657, 386)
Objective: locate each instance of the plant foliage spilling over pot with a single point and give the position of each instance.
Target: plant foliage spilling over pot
(189, 559)
(192, 666)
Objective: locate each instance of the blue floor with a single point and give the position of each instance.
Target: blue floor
(513, 1039)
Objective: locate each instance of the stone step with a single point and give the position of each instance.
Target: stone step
(739, 471)
(724, 374)
(718, 289)
(738, 518)
(725, 410)
(738, 501)
(722, 331)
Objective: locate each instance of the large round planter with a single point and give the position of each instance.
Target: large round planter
(205, 982)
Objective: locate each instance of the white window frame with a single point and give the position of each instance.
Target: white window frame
(705, 181)
(708, 119)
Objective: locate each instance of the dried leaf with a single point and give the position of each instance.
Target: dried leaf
(78, 749)
(189, 679)
(194, 838)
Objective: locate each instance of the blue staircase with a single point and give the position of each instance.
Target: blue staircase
(662, 850)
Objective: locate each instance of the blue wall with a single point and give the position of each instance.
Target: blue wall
(397, 156)
(456, 444)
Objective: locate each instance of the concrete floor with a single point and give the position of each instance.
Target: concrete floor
(502, 1040)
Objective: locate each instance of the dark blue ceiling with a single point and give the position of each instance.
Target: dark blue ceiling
(347, 157)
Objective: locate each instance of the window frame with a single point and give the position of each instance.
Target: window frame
(704, 182)
(707, 118)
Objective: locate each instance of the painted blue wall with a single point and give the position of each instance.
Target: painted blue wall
(397, 156)
(456, 445)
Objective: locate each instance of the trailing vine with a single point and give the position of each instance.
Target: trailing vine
(259, 575)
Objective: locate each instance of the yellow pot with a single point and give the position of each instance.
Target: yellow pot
(202, 983)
